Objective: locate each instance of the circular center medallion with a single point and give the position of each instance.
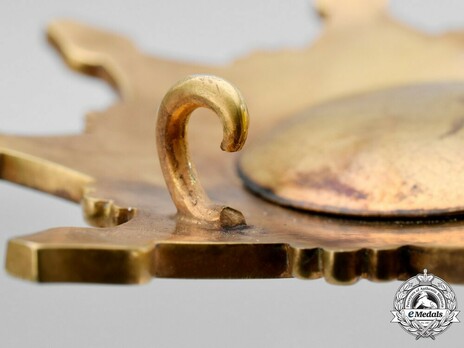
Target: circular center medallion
(392, 153)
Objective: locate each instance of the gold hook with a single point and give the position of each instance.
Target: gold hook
(179, 173)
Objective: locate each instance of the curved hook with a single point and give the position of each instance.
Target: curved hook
(179, 173)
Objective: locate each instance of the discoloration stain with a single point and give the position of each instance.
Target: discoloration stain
(413, 191)
(456, 126)
(326, 180)
(400, 196)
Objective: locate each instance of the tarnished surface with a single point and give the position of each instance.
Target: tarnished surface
(393, 153)
(113, 170)
(192, 203)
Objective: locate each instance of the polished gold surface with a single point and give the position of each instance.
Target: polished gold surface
(392, 153)
(181, 177)
(112, 168)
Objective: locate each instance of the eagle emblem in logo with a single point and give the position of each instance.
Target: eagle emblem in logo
(425, 306)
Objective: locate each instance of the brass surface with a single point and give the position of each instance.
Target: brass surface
(179, 172)
(112, 168)
(392, 153)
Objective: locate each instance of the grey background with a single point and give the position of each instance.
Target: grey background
(41, 96)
